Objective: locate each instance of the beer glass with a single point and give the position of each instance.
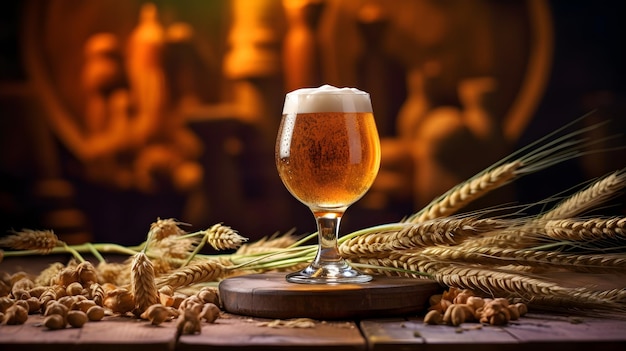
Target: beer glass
(327, 155)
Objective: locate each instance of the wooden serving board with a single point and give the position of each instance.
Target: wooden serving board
(269, 295)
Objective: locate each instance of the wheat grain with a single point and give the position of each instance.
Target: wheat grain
(87, 273)
(28, 239)
(199, 271)
(143, 284)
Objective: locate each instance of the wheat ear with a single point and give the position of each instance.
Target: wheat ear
(461, 195)
(588, 198)
(222, 237)
(142, 282)
(545, 152)
(199, 271)
(443, 231)
(498, 283)
(587, 230)
(408, 263)
(494, 256)
(608, 301)
(27, 239)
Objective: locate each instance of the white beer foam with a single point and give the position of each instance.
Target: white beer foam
(327, 98)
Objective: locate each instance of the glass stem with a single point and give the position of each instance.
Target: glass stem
(328, 233)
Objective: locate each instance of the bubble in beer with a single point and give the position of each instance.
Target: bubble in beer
(327, 98)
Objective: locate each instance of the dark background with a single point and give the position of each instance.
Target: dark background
(587, 75)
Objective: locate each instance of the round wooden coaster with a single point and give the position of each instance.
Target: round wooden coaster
(269, 295)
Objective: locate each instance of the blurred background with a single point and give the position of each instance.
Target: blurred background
(115, 113)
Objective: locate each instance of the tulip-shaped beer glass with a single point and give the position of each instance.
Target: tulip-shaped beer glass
(328, 155)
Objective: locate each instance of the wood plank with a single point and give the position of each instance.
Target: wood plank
(33, 337)
(575, 333)
(118, 333)
(233, 332)
(413, 334)
(390, 335)
(269, 295)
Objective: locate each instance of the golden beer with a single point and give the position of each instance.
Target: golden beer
(327, 155)
(329, 159)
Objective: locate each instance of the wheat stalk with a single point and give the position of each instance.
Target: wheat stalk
(580, 202)
(142, 279)
(553, 259)
(443, 231)
(608, 301)
(541, 154)
(498, 283)
(408, 263)
(538, 231)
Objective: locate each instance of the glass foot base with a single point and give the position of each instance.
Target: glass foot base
(330, 273)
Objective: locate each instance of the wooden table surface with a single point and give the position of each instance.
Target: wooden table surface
(538, 331)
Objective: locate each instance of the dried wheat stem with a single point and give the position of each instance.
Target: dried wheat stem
(466, 192)
(199, 271)
(28, 239)
(583, 230)
(443, 231)
(142, 281)
(502, 256)
(586, 199)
